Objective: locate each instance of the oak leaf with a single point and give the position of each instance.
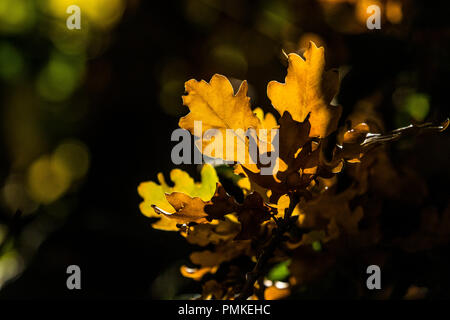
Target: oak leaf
(187, 209)
(214, 232)
(193, 210)
(225, 251)
(218, 108)
(308, 89)
(154, 194)
(267, 119)
(297, 163)
(251, 214)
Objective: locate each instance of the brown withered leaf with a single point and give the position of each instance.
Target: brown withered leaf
(190, 210)
(212, 289)
(212, 233)
(333, 209)
(251, 214)
(298, 160)
(359, 140)
(225, 251)
(308, 265)
(220, 204)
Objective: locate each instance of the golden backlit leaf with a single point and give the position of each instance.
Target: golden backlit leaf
(187, 209)
(308, 89)
(217, 107)
(267, 120)
(190, 210)
(154, 194)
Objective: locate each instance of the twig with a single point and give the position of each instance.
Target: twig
(267, 252)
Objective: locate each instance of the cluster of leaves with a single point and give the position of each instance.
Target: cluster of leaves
(294, 224)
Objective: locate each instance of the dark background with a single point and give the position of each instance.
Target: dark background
(128, 131)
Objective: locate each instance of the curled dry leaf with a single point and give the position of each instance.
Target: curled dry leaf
(190, 210)
(212, 233)
(359, 140)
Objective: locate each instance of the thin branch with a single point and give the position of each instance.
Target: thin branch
(267, 252)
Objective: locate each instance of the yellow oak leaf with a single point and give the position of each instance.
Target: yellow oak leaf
(283, 204)
(218, 108)
(247, 185)
(267, 120)
(308, 89)
(154, 194)
(190, 210)
(187, 209)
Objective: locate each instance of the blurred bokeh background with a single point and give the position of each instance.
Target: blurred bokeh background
(87, 114)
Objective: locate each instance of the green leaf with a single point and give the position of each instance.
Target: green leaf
(317, 246)
(280, 271)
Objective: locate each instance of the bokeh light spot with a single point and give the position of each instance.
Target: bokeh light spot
(230, 60)
(169, 98)
(11, 264)
(16, 15)
(394, 11)
(47, 180)
(11, 62)
(59, 78)
(417, 105)
(102, 13)
(72, 155)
